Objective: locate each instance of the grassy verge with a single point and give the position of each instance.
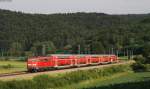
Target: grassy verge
(47, 81)
(12, 66)
(117, 79)
(126, 83)
(130, 85)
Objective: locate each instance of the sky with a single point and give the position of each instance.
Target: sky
(71, 6)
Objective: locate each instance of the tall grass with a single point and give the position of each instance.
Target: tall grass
(8, 66)
(47, 81)
(12, 66)
(78, 76)
(131, 85)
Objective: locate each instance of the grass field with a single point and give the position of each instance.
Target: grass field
(120, 78)
(12, 66)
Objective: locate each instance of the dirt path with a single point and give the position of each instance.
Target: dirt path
(31, 75)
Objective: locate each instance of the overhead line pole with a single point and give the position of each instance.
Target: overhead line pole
(78, 49)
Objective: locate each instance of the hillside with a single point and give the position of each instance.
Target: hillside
(22, 33)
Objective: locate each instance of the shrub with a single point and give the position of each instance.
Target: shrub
(137, 67)
(147, 67)
(140, 59)
(141, 64)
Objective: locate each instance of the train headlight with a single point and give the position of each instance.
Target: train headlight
(29, 64)
(34, 64)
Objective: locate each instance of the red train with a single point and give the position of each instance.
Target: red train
(62, 60)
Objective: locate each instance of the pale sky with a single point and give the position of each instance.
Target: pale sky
(69, 6)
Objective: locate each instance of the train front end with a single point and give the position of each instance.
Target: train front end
(32, 64)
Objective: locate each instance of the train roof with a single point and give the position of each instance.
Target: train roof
(92, 55)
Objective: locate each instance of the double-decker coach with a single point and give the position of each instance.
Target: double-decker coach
(35, 64)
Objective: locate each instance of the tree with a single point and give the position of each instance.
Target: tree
(98, 48)
(59, 30)
(47, 46)
(16, 49)
(146, 52)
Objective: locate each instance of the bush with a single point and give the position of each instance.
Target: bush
(141, 64)
(147, 67)
(147, 60)
(139, 67)
(140, 59)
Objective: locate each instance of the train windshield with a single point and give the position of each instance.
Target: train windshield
(44, 60)
(34, 60)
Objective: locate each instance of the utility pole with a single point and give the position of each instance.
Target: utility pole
(112, 51)
(104, 52)
(117, 53)
(124, 52)
(2, 52)
(127, 53)
(78, 49)
(88, 49)
(109, 51)
(131, 54)
(43, 50)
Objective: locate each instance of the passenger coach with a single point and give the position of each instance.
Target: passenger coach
(61, 60)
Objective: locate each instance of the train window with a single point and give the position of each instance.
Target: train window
(43, 60)
(63, 57)
(94, 57)
(34, 60)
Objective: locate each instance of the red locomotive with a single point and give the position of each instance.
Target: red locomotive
(63, 60)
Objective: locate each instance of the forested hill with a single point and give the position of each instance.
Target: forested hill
(21, 33)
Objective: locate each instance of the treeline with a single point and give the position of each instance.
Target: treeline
(28, 34)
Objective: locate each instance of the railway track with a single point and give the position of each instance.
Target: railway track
(13, 73)
(25, 74)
